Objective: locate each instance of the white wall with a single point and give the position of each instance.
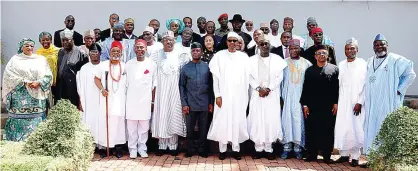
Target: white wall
(339, 20)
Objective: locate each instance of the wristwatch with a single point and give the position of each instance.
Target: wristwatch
(258, 88)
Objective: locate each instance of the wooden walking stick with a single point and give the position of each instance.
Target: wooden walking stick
(107, 116)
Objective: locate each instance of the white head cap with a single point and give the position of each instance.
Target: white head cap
(352, 41)
(232, 34)
(150, 29)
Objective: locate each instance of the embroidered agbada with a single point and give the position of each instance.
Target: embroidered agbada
(89, 99)
(292, 114)
(116, 101)
(230, 73)
(51, 55)
(25, 106)
(168, 119)
(394, 74)
(264, 122)
(349, 133)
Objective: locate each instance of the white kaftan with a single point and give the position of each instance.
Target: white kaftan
(152, 51)
(168, 119)
(116, 104)
(264, 122)
(141, 79)
(231, 82)
(349, 133)
(89, 98)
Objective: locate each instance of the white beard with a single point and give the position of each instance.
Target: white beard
(380, 54)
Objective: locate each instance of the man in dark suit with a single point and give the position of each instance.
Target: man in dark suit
(113, 18)
(129, 29)
(283, 50)
(255, 48)
(237, 22)
(69, 24)
(188, 23)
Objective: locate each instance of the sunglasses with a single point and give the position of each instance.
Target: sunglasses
(248, 25)
(321, 53)
(264, 29)
(263, 43)
(232, 40)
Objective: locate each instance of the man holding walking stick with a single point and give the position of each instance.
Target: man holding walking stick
(110, 78)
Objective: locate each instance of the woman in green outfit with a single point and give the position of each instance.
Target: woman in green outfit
(26, 83)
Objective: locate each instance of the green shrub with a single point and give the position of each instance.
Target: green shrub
(62, 142)
(396, 145)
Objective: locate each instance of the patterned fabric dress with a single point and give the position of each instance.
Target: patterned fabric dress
(26, 106)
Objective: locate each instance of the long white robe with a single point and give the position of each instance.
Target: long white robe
(394, 74)
(230, 73)
(89, 98)
(152, 51)
(178, 47)
(264, 122)
(141, 80)
(168, 119)
(275, 40)
(116, 105)
(349, 132)
(292, 115)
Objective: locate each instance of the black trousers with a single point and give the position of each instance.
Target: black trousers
(203, 123)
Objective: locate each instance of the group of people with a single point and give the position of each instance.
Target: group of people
(260, 85)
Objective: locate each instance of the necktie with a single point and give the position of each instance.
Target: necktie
(286, 55)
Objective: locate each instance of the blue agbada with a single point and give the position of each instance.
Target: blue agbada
(127, 52)
(395, 74)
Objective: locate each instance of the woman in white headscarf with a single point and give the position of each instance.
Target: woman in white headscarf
(26, 83)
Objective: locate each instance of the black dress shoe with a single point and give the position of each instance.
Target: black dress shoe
(256, 155)
(343, 159)
(237, 155)
(118, 152)
(310, 159)
(188, 154)
(203, 154)
(160, 152)
(102, 153)
(174, 152)
(365, 165)
(271, 156)
(328, 161)
(354, 163)
(222, 156)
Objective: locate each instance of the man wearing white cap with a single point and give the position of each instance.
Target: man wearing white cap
(129, 29)
(168, 119)
(230, 73)
(349, 133)
(264, 122)
(265, 28)
(89, 39)
(152, 45)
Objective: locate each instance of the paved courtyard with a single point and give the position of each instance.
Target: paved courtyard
(212, 163)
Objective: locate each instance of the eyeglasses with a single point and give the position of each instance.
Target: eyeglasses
(232, 40)
(321, 53)
(264, 29)
(248, 25)
(263, 43)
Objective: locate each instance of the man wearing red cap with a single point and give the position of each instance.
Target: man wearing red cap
(141, 80)
(112, 71)
(224, 29)
(318, 36)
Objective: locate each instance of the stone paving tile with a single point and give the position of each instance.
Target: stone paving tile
(212, 163)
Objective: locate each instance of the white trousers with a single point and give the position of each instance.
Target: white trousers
(137, 134)
(355, 154)
(171, 143)
(265, 146)
(224, 147)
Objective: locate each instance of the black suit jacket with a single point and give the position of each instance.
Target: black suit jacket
(105, 34)
(77, 37)
(279, 51)
(133, 36)
(196, 38)
(251, 51)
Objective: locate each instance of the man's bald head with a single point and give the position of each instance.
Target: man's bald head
(69, 22)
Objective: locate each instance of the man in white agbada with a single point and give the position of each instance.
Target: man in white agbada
(152, 46)
(349, 133)
(168, 121)
(88, 92)
(264, 122)
(292, 116)
(186, 40)
(230, 85)
(112, 71)
(389, 73)
(141, 73)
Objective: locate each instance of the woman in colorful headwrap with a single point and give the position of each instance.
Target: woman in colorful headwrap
(50, 52)
(176, 26)
(26, 83)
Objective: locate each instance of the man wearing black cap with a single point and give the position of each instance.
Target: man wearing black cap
(89, 94)
(320, 103)
(237, 22)
(196, 99)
